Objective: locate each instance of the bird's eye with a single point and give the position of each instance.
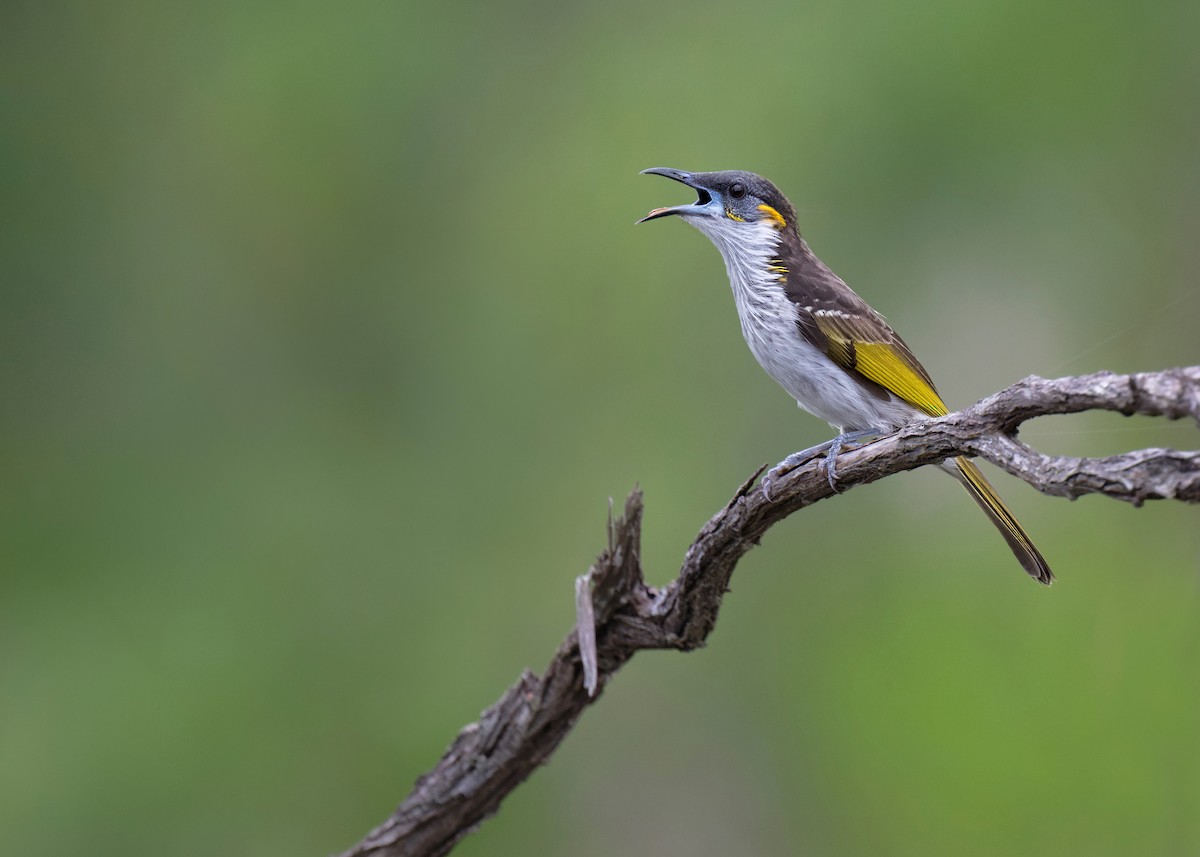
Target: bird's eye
(737, 190)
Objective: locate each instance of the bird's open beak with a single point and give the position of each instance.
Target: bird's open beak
(703, 201)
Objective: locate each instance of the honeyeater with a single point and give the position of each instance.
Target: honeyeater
(817, 338)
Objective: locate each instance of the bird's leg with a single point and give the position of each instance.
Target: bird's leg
(831, 449)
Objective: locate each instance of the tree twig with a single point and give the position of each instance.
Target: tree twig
(623, 615)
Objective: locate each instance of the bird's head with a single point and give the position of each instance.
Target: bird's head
(729, 203)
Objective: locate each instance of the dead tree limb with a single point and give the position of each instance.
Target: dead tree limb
(623, 615)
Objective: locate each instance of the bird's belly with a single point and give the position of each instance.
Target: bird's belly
(818, 384)
(771, 329)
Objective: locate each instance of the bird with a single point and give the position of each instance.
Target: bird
(826, 346)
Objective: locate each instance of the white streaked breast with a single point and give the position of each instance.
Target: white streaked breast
(769, 325)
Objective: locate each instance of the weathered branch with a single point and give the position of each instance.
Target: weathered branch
(490, 758)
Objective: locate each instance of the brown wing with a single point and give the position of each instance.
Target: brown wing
(868, 345)
(836, 320)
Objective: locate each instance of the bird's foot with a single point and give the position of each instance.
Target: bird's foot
(830, 448)
(790, 463)
(835, 448)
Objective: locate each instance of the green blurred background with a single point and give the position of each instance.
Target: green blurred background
(326, 336)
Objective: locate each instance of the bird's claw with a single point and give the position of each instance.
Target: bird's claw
(769, 477)
(786, 466)
(831, 472)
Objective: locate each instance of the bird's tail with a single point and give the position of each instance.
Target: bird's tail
(985, 495)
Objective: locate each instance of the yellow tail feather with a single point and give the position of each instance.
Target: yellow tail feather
(985, 495)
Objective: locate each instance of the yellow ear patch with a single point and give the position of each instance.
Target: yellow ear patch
(774, 216)
(733, 216)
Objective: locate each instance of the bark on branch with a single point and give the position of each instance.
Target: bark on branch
(620, 615)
